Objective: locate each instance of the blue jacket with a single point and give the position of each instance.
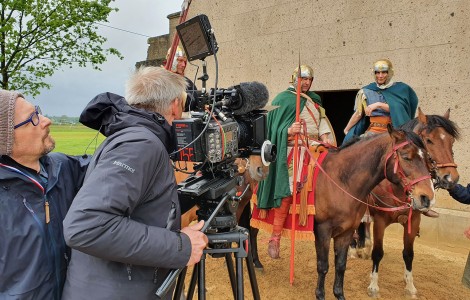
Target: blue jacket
(33, 254)
(461, 193)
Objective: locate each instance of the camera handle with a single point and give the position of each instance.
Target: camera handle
(173, 275)
(204, 76)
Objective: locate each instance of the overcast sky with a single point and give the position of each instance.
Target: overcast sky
(73, 88)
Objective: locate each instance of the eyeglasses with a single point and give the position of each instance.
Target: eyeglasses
(33, 118)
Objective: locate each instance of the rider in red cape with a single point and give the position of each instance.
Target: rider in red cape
(274, 196)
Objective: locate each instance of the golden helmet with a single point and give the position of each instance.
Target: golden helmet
(178, 53)
(305, 72)
(384, 65)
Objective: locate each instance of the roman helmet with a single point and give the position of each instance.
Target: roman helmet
(178, 53)
(305, 72)
(384, 65)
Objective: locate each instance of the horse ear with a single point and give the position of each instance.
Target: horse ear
(396, 135)
(390, 128)
(447, 114)
(422, 117)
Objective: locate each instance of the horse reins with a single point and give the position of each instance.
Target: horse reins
(397, 168)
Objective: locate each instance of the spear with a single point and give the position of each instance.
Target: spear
(176, 39)
(296, 163)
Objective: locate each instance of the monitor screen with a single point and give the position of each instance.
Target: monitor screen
(194, 37)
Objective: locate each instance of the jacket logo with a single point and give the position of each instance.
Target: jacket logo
(123, 165)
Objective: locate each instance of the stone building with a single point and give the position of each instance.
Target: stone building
(428, 42)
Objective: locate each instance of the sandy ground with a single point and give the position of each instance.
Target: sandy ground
(437, 274)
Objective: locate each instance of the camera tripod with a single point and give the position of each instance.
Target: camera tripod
(240, 236)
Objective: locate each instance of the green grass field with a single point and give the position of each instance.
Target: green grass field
(74, 139)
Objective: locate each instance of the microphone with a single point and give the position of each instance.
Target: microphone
(253, 95)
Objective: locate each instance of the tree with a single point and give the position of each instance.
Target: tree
(38, 37)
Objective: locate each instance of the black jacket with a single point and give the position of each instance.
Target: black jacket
(122, 224)
(461, 193)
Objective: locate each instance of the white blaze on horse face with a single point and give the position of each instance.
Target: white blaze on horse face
(410, 287)
(420, 153)
(442, 136)
(373, 289)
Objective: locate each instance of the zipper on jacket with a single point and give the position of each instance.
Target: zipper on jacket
(129, 272)
(155, 275)
(46, 209)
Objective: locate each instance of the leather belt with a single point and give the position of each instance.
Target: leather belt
(375, 124)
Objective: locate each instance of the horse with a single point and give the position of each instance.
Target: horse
(348, 175)
(253, 171)
(438, 134)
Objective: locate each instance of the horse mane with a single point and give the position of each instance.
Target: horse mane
(410, 135)
(413, 137)
(434, 121)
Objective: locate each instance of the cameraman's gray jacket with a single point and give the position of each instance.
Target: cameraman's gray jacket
(122, 223)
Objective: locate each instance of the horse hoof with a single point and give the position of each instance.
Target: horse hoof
(258, 265)
(410, 295)
(352, 253)
(373, 293)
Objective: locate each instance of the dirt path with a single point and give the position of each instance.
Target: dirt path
(437, 274)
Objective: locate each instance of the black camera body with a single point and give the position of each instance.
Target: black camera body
(225, 124)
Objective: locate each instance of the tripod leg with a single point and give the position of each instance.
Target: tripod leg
(201, 288)
(231, 273)
(180, 284)
(252, 276)
(192, 283)
(240, 293)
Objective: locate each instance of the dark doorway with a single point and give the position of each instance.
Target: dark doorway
(339, 106)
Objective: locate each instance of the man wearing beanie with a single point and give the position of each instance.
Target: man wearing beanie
(36, 190)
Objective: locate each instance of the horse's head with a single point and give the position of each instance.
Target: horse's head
(438, 134)
(407, 165)
(257, 171)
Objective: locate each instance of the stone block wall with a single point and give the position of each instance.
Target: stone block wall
(428, 42)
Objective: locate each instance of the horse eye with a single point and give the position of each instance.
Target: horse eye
(428, 141)
(406, 157)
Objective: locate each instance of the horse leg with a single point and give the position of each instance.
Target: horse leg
(341, 244)
(244, 221)
(377, 255)
(254, 247)
(363, 243)
(408, 254)
(322, 248)
(352, 253)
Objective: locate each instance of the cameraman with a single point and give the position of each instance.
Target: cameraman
(124, 223)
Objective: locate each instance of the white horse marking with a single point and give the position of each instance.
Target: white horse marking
(421, 153)
(373, 289)
(410, 287)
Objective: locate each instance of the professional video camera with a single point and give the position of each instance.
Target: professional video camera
(227, 123)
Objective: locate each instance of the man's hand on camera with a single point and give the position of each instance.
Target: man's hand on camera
(198, 241)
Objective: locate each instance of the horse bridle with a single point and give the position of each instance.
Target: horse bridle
(397, 169)
(434, 164)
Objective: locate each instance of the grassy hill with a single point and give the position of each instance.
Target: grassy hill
(75, 139)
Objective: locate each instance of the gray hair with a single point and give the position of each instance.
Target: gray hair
(154, 87)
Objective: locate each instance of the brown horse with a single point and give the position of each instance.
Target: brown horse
(438, 134)
(253, 171)
(349, 175)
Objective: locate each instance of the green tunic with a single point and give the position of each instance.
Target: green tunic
(276, 185)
